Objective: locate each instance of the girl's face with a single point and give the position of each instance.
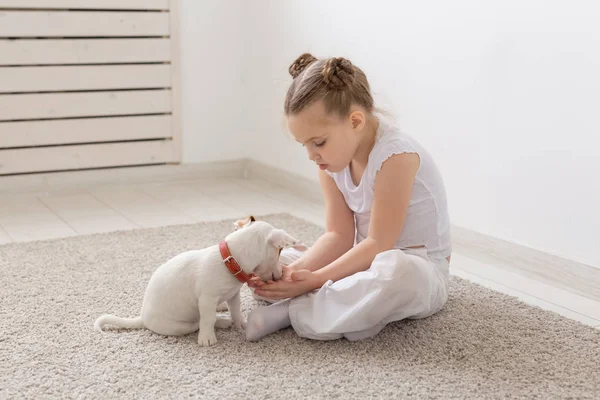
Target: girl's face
(331, 141)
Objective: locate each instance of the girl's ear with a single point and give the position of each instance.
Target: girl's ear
(358, 120)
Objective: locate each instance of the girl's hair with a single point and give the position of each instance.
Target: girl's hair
(335, 81)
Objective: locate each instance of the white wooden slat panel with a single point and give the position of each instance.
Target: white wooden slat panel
(84, 156)
(49, 79)
(176, 79)
(65, 105)
(87, 130)
(84, 51)
(82, 24)
(88, 4)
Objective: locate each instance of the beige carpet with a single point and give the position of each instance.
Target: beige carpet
(483, 345)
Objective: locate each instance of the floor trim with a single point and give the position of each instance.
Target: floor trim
(49, 181)
(578, 278)
(531, 263)
(304, 187)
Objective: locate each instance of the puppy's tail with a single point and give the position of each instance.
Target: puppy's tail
(129, 323)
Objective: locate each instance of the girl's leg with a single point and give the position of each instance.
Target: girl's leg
(265, 320)
(398, 285)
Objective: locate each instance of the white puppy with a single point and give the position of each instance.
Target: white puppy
(183, 293)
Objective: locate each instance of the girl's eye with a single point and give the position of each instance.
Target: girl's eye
(321, 144)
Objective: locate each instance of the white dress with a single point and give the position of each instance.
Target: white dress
(404, 282)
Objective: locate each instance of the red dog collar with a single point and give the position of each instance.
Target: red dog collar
(231, 264)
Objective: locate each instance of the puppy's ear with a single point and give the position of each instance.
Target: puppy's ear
(242, 223)
(280, 239)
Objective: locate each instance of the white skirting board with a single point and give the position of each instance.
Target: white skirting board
(306, 188)
(546, 268)
(41, 183)
(88, 4)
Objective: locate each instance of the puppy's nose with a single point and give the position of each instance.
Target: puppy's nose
(277, 275)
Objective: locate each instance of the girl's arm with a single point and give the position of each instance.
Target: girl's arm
(325, 250)
(393, 187)
(339, 225)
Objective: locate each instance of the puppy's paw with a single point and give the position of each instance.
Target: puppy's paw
(207, 339)
(239, 325)
(222, 307)
(223, 323)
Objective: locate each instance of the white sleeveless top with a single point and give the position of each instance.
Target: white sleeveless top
(427, 222)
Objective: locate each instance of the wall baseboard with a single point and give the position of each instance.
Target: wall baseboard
(52, 181)
(559, 272)
(578, 278)
(309, 189)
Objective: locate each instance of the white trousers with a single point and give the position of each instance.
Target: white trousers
(399, 284)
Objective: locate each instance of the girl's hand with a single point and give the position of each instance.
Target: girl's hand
(286, 275)
(292, 284)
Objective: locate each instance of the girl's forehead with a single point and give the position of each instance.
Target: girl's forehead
(311, 121)
(313, 114)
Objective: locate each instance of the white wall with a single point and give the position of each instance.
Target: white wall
(213, 48)
(505, 94)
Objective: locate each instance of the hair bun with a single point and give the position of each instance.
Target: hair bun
(338, 73)
(301, 63)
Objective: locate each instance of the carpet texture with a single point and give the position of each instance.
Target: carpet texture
(483, 345)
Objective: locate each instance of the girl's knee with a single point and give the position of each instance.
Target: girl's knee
(400, 264)
(404, 275)
(416, 283)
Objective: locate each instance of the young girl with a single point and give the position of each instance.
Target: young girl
(385, 254)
